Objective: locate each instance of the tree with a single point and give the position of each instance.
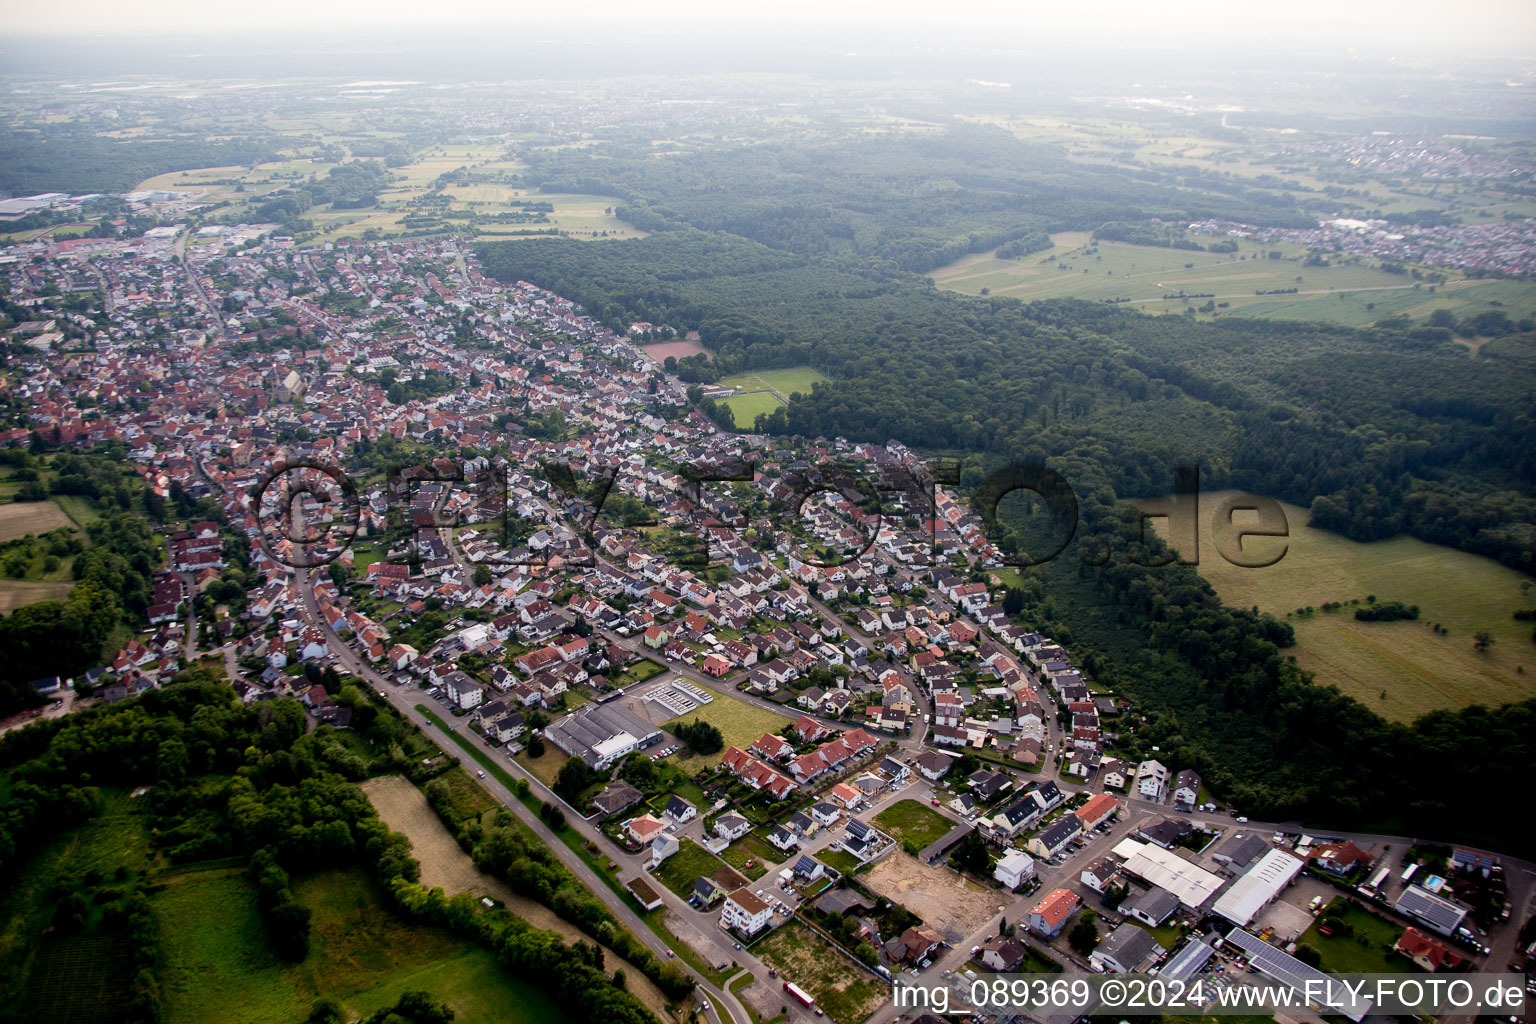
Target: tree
(288, 928)
(1084, 934)
(574, 777)
(701, 737)
(639, 769)
(1309, 956)
(535, 745)
(971, 854)
(1482, 640)
(482, 575)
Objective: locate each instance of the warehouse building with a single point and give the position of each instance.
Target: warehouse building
(602, 734)
(1258, 886)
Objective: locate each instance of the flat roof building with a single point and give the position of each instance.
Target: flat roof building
(1167, 870)
(1434, 912)
(602, 734)
(1258, 885)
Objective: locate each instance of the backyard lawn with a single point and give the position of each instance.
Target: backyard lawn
(750, 848)
(681, 870)
(1363, 944)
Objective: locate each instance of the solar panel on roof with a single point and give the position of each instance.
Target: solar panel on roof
(1284, 968)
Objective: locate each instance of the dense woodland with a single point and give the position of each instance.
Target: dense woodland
(77, 158)
(779, 258)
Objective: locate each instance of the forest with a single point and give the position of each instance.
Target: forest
(776, 261)
(76, 158)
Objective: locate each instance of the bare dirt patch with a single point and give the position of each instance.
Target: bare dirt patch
(942, 898)
(404, 809)
(676, 349)
(19, 518)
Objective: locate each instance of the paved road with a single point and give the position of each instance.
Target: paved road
(405, 701)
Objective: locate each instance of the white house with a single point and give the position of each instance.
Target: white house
(1014, 869)
(745, 913)
(463, 691)
(1152, 781)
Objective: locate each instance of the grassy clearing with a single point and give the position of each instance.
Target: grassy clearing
(220, 967)
(639, 672)
(1400, 669)
(80, 509)
(116, 839)
(908, 819)
(844, 990)
(741, 724)
(19, 593)
(1352, 295)
(685, 867)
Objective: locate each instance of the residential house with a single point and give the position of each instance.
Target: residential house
(1186, 789)
(1054, 840)
(1127, 949)
(1014, 868)
(745, 913)
(1050, 914)
(645, 828)
(1152, 781)
(679, 810)
(1428, 953)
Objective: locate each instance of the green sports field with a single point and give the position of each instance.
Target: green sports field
(766, 390)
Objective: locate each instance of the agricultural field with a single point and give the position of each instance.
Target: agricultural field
(844, 990)
(20, 593)
(911, 820)
(19, 518)
(740, 724)
(685, 867)
(1400, 669)
(498, 192)
(1348, 294)
(220, 966)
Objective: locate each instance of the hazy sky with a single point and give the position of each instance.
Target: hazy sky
(1504, 25)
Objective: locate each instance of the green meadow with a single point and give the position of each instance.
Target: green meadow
(1400, 669)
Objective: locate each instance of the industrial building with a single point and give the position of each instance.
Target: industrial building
(1167, 870)
(602, 734)
(1258, 886)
